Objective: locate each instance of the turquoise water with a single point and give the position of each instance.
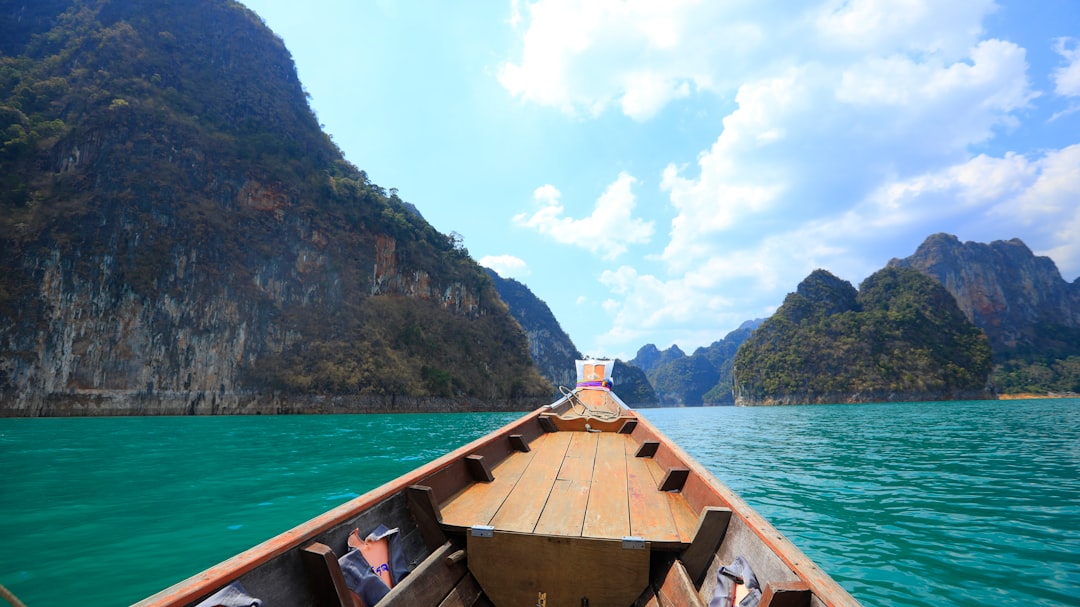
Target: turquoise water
(915, 504)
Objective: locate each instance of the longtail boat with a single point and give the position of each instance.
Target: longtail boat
(580, 503)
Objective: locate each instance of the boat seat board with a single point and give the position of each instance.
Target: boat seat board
(585, 484)
(786, 594)
(430, 583)
(677, 589)
(515, 568)
(325, 576)
(712, 525)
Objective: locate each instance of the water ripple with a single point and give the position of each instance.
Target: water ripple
(923, 504)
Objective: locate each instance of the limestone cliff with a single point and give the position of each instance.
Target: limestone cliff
(178, 236)
(1002, 287)
(1029, 312)
(550, 347)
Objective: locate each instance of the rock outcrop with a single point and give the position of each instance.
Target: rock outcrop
(550, 347)
(1002, 287)
(1029, 312)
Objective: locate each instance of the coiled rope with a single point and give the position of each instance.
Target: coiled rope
(602, 415)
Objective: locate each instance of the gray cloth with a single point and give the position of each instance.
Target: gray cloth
(725, 585)
(233, 595)
(358, 573)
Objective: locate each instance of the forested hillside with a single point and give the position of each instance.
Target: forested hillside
(179, 236)
(901, 336)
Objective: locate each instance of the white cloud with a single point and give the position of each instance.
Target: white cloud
(1067, 77)
(586, 56)
(506, 266)
(917, 26)
(606, 232)
(852, 132)
(813, 138)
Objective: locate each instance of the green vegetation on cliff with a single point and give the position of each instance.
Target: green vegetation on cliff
(900, 337)
(173, 220)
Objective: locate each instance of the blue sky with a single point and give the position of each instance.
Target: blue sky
(660, 172)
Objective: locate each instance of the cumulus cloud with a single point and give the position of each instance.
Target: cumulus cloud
(606, 232)
(853, 135)
(506, 266)
(586, 56)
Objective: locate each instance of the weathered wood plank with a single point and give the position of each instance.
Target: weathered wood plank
(650, 510)
(513, 568)
(478, 468)
(465, 594)
(517, 443)
(608, 512)
(648, 449)
(324, 574)
(578, 424)
(678, 590)
(564, 512)
(686, 521)
(479, 503)
(674, 479)
(429, 583)
(522, 507)
(710, 531)
(785, 594)
(578, 463)
(427, 514)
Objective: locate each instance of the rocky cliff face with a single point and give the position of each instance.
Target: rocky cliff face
(550, 347)
(178, 236)
(1002, 287)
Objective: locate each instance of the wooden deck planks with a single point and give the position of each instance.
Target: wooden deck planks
(650, 510)
(608, 513)
(577, 484)
(685, 520)
(523, 506)
(580, 456)
(564, 513)
(479, 503)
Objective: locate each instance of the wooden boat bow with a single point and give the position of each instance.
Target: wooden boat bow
(580, 502)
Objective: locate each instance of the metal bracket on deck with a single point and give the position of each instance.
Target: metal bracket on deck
(482, 531)
(631, 542)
